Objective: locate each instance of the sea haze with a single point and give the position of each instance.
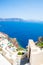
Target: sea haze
(23, 31)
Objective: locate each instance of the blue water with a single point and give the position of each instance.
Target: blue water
(23, 31)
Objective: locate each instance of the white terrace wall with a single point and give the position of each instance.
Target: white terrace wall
(36, 54)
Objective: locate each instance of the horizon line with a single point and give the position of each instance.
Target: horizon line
(22, 19)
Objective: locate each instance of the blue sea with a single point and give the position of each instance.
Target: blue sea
(23, 31)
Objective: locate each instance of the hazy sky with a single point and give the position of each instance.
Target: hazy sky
(26, 9)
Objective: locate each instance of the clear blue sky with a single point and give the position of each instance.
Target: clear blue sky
(26, 9)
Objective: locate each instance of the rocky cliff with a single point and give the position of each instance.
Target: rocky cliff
(12, 40)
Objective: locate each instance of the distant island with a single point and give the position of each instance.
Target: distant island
(11, 19)
(19, 20)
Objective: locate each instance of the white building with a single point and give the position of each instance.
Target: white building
(36, 54)
(7, 52)
(4, 61)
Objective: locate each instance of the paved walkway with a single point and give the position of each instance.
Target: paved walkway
(24, 61)
(3, 61)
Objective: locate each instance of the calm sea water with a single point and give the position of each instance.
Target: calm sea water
(23, 31)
